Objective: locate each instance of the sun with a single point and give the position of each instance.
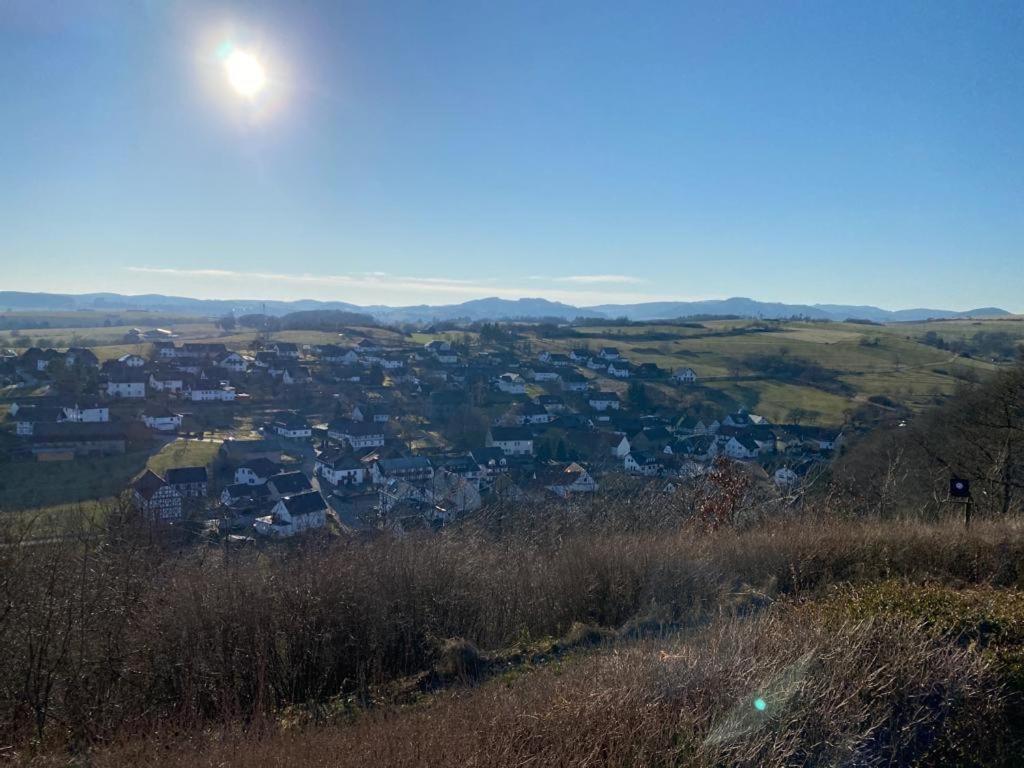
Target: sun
(245, 73)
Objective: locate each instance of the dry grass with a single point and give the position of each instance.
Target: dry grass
(116, 635)
(867, 694)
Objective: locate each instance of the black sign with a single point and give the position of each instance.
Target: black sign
(960, 489)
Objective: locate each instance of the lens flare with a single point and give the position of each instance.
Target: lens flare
(245, 73)
(760, 704)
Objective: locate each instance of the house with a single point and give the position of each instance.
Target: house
(453, 494)
(785, 477)
(339, 468)
(26, 417)
(291, 425)
(565, 479)
(335, 355)
(377, 414)
(410, 468)
(491, 461)
(81, 356)
(239, 493)
(510, 384)
(161, 418)
(296, 374)
(256, 471)
(211, 391)
(203, 349)
(166, 381)
(620, 370)
(190, 482)
(366, 346)
(153, 496)
(87, 412)
(604, 401)
(740, 419)
(131, 361)
(541, 375)
(164, 350)
(127, 385)
(233, 361)
(357, 434)
(285, 349)
(553, 404)
(513, 441)
(528, 413)
(618, 445)
(608, 353)
(288, 484)
(574, 382)
(580, 355)
(69, 437)
(438, 346)
(741, 447)
(247, 450)
(638, 463)
(685, 376)
(464, 466)
(293, 514)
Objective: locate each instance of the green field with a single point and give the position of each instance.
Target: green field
(867, 359)
(35, 485)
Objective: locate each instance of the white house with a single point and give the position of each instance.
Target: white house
(292, 425)
(685, 376)
(235, 362)
(211, 391)
(256, 471)
(296, 374)
(126, 387)
(91, 413)
(741, 448)
(608, 353)
(161, 418)
(513, 441)
(338, 355)
(293, 514)
(166, 382)
(511, 384)
(358, 435)
(641, 464)
(619, 370)
(567, 480)
(603, 401)
(131, 361)
(339, 468)
(621, 448)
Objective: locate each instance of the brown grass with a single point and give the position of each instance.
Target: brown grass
(119, 634)
(867, 694)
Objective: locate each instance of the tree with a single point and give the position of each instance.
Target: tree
(637, 396)
(227, 322)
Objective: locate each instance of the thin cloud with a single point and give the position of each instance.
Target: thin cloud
(591, 279)
(367, 288)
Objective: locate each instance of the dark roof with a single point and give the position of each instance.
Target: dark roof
(459, 464)
(73, 431)
(304, 503)
(355, 428)
(147, 484)
(182, 475)
(610, 397)
(37, 414)
(506, 434)
(403, 463)
(244, 491)
(288, 483)
(484, 456)
(291, 421)
(262, 467)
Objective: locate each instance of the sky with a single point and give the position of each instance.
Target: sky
(582, 151)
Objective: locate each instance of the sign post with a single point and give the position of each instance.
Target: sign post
(960, 493)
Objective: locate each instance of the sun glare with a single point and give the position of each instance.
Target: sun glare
(245, 73)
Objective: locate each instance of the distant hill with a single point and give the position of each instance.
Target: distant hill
(479, 309)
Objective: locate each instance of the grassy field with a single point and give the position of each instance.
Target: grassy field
(867, 359)
(52, 487)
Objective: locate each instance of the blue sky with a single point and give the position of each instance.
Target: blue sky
(431, 152)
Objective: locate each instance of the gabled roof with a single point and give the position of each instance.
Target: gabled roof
(148, 484)
(404, 464)
(181, 475)
(510, 434)
(262, 467)
(289, 483)
(304, 503)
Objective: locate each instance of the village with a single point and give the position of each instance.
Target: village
(385, 433)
